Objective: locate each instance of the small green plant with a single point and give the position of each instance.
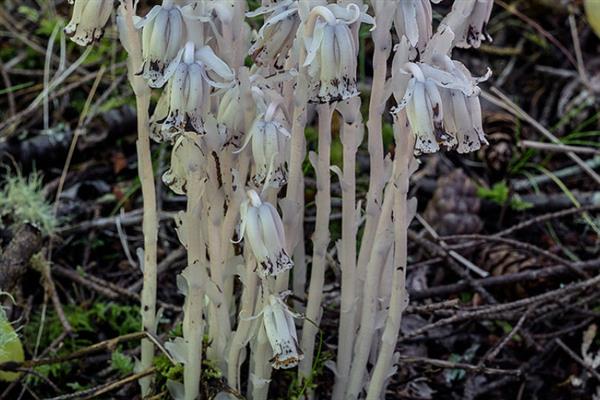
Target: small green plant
(115, 320)
(121, 362)
(22, 201)
(500, 194)
(298, 389)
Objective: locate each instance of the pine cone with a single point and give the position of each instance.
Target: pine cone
(499, 129)
(455, 206)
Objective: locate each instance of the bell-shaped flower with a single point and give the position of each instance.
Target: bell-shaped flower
(462, 111)
(232, 110)
(332, 51)
(270, 138)
(437, 99)
(468, 20)
(278, 322)
(188, 92)
(165, 30)
(276, 36)
(88, 20)
(262, 228)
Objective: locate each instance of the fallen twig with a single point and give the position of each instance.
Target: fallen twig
(527, 302)
(524, 276)
(459, 365)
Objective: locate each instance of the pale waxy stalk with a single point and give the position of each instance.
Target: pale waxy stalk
(146, 174)
(320, 239)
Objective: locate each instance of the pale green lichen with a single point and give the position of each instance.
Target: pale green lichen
(22, 201)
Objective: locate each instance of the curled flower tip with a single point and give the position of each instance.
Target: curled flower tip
(262, 228)
(88, 20)
(278, 321)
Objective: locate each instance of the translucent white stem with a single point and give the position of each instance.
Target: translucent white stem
(292, 211)
(351, 133)
(381, 247)
(382, 39)
(261, 353)
(242, 333)
(145, 171)
(320, 241)
(398, 300)
(193, 325)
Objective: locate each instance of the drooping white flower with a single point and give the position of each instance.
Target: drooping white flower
(262, 228)
(462, 114)
(165, 30)
(88, 20)
(276, 36)
(189, 91)
(441, 102)
(332, 51)
(468, 20)
(232, 110)
(270, 136)
(278, 321)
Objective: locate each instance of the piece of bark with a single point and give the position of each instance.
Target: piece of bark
(26, 241)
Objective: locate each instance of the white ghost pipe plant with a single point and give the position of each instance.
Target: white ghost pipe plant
(238, 139)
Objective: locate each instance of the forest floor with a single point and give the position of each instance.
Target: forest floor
(504, 258)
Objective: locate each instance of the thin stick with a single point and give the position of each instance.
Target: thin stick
(524, 276)
(146, 174)
(575, 357)
(548, 296)
(454, 365)
(577, 47)
(320, 241)
(105, 344)
(530, 144)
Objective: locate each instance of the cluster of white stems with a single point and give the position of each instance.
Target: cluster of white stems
(238, 146)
